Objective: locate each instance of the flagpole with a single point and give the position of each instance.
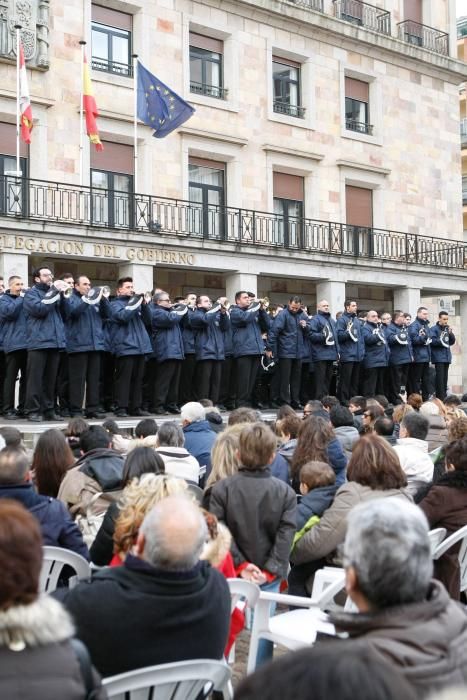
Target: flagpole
(134, 56)
(17, 27)
(82, 43)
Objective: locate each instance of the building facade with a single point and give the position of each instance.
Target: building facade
(323, 157)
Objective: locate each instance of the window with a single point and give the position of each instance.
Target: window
(357, 114)
(352, 11)
(288, 207)
(286, 87)
(111, 41)
(206, 66)
(207, 197)
(359, 217)
(13, 199)
(112, 186)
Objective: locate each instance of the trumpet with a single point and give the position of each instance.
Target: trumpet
(95, 295)
(23, 291)
(224, 303)
(264, 302)
(148, 297)
(63, 288)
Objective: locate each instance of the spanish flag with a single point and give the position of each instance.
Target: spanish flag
(90, 108)
(24, 101)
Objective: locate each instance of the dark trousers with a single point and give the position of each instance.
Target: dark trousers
(62, 390)
(107, 381)
(129, 371)
(306, 383)
(42, 375)
(246, 371)
(418, 381)
(299, 575)
(397, 379)
(228, 390)
(84, 371)
(187, 384)
(441, 381)
(149, 380)
(373, 381)
(323, 376)
(208, 379)
(290, 372)
(167, 383)
(15, 362)
(348, 382)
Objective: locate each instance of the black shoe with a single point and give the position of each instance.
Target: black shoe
(173, 409)
(11, 415)
(65, 413)
(121, 413)
(35, 418)
(159, 412)
(53, 416)
(139, 413)
(96, 414)
(275, 404)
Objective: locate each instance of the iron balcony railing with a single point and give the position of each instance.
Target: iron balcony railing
(309, 4)
(85, 206)
(427, 37)
(360, 127)
(115, 67)
(209, 90)
(290, 110)
(463, 130)
(363, 15)
(464, 189)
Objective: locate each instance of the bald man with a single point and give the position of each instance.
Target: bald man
(324, 347)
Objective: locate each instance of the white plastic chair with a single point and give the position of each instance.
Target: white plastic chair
(242, 591)
(182, 680)
(436, 537)
(446, 544)
(54, 559)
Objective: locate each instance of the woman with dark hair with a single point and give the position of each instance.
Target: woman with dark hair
(52, 459)
(316, 442)
(76, 426)
(373, 471)
(37, 660)
(370, 415)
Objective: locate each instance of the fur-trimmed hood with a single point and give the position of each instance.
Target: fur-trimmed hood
(40, 623)
(215, 551)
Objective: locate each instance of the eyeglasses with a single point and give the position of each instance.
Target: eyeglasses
(367, 415)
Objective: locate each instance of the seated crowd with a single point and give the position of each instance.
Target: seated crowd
(168, 515)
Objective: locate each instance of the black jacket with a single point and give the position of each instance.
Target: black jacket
(102, 548)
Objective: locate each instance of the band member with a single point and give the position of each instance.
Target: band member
(420, 336)
(168, 346)
(286, 343)
(209, 324)
(62, 389)
(46, 337)
(400, 357)
(352, 352)
(228, 388)
(248, 321)
(130, 342)
(441, 356)
(376, 354)
(84, 335)
(325, 348)
(187, 373)
(15, 345)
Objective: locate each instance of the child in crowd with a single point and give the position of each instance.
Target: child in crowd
(318, 487)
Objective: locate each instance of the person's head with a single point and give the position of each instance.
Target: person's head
(14, 466)
(294, 305)
(94, 438)
(398, 318)
(314, 436)
(422, 313)
(42, 275)
(382, 400)
(372, 316)
(400, 411)
(162, 299)
(111, 426)
(224, 454)
(52, 459)
(350, 306)
(314, 475)
(387, 554)
(357, 404)
(443, 319)
(191, 298)
(206, 403)
(82, 284)
(452, 400)
(242, 415)
(456, 455)
(146, 427)
(172, 535)
(68, 278)
(192, 412)
(20, 555)
(328, 402)
(374, 463)
(142, 460)
(371, 413)
(76, 426)
(414, 425)
(383, 426)
(323, 306)
(256, 446)
(288, 427)
(15, 285)
(203, 302)
(242, 299)
(415, 400)
(457, 428)
(170, 434)
(313, 407)
(340, 416)
(125, 287)
(285, 410)
(11, 436)
(386, 318)
(408, 318)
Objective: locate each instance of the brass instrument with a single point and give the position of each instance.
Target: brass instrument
(23, 291)
(444, 336)
(95, 295)
(423, 334)
(148, 297)
(328, 335)
(180, 308)
(224, 303)
(58, 288)
(402, 337)
(351, 331)
(264, 302)
(380, 333)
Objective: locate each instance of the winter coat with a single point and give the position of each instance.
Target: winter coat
(337, 460)
(415, 462)
(209, 339)
(150, 616)
(13, 322)
(215, 420)
(287, 449)
(286, 336)
(319, 349)
(400, 354)
(420, 343)
(84, 331)
(315, 502)
(127, 332)
(445, 505)
(101, 550)
(228, 341)
(440, 353)
(261, 513)
(350, 350)
(44, 323)
(347, 436)
(426, 642)
(280, 468)
(324, 538)
(179, 462)
(57, 527)
(167, 339)
(247, 326)
(47, 668)
(188, 334)
(199, 439)
(375, 348)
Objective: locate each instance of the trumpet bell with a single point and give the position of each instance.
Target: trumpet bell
(68, 292)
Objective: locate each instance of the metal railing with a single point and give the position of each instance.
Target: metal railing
(209, 90)
(55, 202)
(125, 69)
(363, 15)
(290, 110)
(464, 189)
(421, 35)
(309, 4)
(463, 131)
(360, 127)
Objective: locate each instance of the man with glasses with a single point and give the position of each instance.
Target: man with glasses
(167, 343)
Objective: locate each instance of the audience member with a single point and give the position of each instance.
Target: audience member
(412, 451)
(199, 437)
(213, 415)
(371, 414)
(243, 415)
(314, 408)
(384, 427)
(415, 401)
(178, 461)
(400, 411)
(284, 411)
(437, 432)
(318, 488)
(357, 406)
(328, 402)
(12, 437)
(344, 429)
(224, 459)
(452, 401)
(51, 460)
(287, 429)
(75, 428)
(316, 441)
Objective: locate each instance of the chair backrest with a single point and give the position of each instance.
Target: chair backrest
(54, 559)
(436, 537)
(183, 680)
(243, 590)
(196, 492)
(450, 541)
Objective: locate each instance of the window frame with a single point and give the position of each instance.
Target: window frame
(111, 32)
(286, 221)
(111, 199)
(352, 124)
(207, 89)
(295, 110)
(205, 206)
(4, 207)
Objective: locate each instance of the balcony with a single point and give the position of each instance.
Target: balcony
(309, 4)
(463, 130)
(359, 127)
(363, 15)
(464, 190)
(23, 200)
(423, 36)
(289, 110)
(209, 90)
(101, 64)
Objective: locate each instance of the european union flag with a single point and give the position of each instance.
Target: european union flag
(158, 106)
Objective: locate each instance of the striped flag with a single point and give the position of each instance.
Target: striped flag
(24, 101)
(90, 108)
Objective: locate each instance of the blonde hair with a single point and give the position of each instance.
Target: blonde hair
(224, 454)
(401, 411)
(138, 497)
(452, 413)
(457, 428)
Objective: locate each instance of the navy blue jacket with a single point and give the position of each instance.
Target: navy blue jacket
(209, 327)
(13, 323)
(400, 354)
(167, 338)
(421, 349)
(127, 333)
(337, 460)
(376, 354)
(321, 351)
(280, 468)
(286, 336)
(228, 342)
(188, 334)
(315, 502)
(247, 326)
(199, 439)
(439, 352)
(57, 526)
(350, 350)
(45, 327)
(84, 329)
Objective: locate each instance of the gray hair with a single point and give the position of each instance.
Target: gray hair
(387, 544)
(175, 532)
(193, 412)
(170, 434)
